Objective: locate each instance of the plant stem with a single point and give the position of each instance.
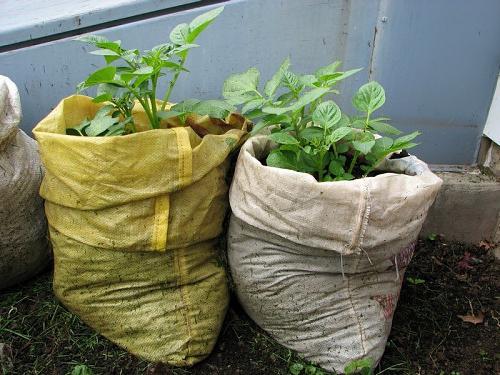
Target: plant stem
(172, 83)
(335, 151)
(152, 99)
(144, 104)
(296, 125)
(353, 161)
(367, 121)
(320, 167)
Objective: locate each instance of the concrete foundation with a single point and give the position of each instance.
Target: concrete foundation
(467, 208)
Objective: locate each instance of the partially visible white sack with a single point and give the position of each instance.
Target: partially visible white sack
(23, 229)
(409, 165)
(319, 266)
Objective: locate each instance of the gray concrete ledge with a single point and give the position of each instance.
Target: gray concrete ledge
(467, 208)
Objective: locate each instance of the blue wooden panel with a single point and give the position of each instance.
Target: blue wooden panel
(438, 59)
(248, 33)
(23, 20)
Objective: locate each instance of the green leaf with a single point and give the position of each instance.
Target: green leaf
(291, 80)
(186, 106)
(312, 133)
(145, 70)
(101, 122)
(78, 129)
(403, 146)
(310, 370)
(173, 66)
(338, 134)
(273, 84)
(103, 75)
(142, 81)
(383, 128)
(259, 126)
(163, 48)
(284, 98)
(179, 49)
(104, 52)
(336, 168)
(342, 148)
(281, 159)
(327, 114)
(111, 90)
(327, 70)
(163, 115)
(304, 100)
(252, 115)
(108, 54)
(130, 56)
(201, 22)
(382, 145)
(334, 78)
(399, 142)
(270, 120)
(252, 105)
(81, 370)
(283, 138)
(345, 177)
(308, 80)
(308, 163)
(365, 144)
(119, 128)
(296, 368)
(294, 148)
(369, 97)
(415, 280)
(363, 366)
(358, 123)
(213, 108)
(179, 34)
(102, 98)
(240, 85)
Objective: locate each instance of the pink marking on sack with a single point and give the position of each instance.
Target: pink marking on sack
(404, 256)
(388, 303)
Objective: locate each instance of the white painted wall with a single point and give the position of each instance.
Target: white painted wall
(492, 127)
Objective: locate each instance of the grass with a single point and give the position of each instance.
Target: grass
(48, 339)
(39, 336)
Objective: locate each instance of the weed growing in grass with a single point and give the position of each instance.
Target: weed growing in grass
(415, 280)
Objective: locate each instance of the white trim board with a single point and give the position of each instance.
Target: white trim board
(24, 20)
(492, 126)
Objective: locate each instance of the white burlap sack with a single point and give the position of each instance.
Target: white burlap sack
(319, 266)
(23, 228)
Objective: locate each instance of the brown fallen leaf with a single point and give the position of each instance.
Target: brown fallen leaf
(464, 263)
(474, 319)
(486, 245)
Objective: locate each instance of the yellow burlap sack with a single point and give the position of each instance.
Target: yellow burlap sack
(134, 222)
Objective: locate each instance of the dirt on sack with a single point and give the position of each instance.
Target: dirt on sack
(447, 323)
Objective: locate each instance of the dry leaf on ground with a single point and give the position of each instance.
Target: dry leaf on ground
(474, 319)
(486, 245)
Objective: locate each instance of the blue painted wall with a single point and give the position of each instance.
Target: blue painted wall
(438, 59)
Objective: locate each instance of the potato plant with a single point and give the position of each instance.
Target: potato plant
(313, 135)
(131, 75)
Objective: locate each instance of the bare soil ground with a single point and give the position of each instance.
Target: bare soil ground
(447, 323)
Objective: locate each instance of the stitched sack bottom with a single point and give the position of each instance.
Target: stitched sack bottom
(163, 307)
(296, 294)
